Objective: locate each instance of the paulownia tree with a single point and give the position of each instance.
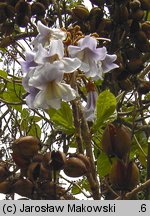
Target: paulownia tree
(74, 98)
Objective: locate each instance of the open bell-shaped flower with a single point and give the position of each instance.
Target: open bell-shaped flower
(95, 61)
(47, 34)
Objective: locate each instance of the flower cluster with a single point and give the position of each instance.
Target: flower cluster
(44, 67)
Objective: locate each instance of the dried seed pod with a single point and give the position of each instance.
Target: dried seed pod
(33, 171)
(124, 176)
(23, 187)
(20, 161)
(135, 66)
(132, 175)
(47, 160)
(26, 147)
(80, 12)
(137, 15)
(4, 172)
(38, 9)
(121, 14)
(38, 158)
(133, 53)
(146, 28)
(117, 175)
(85, 160)
(58, 160)
(95, 16)
(75, 167)
(5, 187)
(7, 28)
(44, 2)
(145, 4)
(3, 15)
(10, 11)
(141, 41)
(23, 8)
(116, 140)
(21, 20)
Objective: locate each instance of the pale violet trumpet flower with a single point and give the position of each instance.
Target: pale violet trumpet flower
(56, 53)
(44, 81)
(29, 62)
(95, 61)
(52, 90)
(47, 34)
(89, 109)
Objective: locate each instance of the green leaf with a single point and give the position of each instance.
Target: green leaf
(35, 131)
(105, 107)
(103, 165)
(75, 190)
(63, 118)
(3, 75)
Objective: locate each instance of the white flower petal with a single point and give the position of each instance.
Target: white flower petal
(70, 64)
(57, 47)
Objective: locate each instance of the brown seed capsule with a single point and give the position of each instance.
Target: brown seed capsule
(47, 160)
(5, 187)
(80, 12)
(133, 53)
(145, 4)
(75, 167)
(124, 176)
(36, 171)
(117, 175)
(146, 28)
(116, 140)
(4, 172)
(20, 161)
(23, 187)
(44, 2)
(137, 15)
(22, 21)
(38, 9)
(23, 8)
(121, 14)
(132, 175)
(58, 160)
(135, 66)
(3, 15)
(85, 160)
(26, 147)
(141, 41)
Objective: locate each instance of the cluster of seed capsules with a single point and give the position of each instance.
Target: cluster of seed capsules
(18, 13)
(116, 142)
(36, 178)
